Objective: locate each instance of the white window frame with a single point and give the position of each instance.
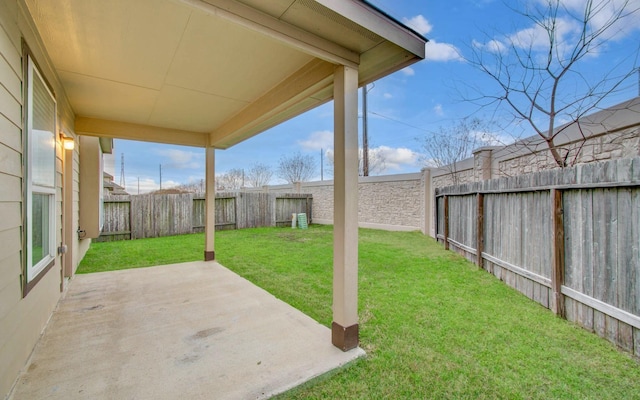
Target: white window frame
(32, 188)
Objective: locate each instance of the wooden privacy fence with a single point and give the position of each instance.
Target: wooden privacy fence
(143, 216)
(568, 239)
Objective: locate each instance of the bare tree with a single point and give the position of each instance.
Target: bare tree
(448, 146)
(231, 180)
(296, 168)
(538, 72)
(259, 175)
(377, 161)
(196, 187)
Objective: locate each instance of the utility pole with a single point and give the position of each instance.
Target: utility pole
(365, 138)
(138, 185)
(122, 182)
(160, 176)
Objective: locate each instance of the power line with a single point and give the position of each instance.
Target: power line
(399, 122)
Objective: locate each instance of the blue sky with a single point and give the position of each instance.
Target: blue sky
(403, 107)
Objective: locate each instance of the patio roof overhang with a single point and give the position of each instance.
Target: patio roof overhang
(211, 73)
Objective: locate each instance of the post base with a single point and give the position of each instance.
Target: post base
(345, 338)
(209, 255)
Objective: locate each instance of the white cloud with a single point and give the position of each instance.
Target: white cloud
(390, 158)
(537, 37)
(180, 159)
(568, 28)
(396, 157)
(408, 71)
(419, 24)
(387, 96)
(441, 52)
(438, 110)
(493, 46)
(487, 138)
(317, 140)
(604, 13)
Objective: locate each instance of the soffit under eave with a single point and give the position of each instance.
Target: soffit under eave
(380, 61)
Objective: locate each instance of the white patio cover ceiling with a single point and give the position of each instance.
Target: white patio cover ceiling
(211, 72)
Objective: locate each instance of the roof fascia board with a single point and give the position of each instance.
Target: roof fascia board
(268, 123)
(106, 144)
(265, 24)
(125, 130)
(368, 17)
(308, 80)
(374, 66)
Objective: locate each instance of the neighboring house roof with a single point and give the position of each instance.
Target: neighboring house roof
(110, 186)
(113, 188)
(211, 72)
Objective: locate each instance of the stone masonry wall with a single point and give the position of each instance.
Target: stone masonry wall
(457, 178)
(394, 202)
(624, 144)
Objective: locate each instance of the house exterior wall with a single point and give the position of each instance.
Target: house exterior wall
(22, 319)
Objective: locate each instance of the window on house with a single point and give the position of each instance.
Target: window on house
(40, 171)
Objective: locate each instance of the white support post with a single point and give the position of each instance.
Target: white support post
(210, 205)
(345, 219)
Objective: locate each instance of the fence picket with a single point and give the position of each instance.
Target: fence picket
(599, 235)
(142, 216)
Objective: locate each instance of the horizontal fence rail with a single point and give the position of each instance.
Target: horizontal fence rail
(568, 239)
(144, 216)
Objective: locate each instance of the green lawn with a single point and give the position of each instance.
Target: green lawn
(433, 326)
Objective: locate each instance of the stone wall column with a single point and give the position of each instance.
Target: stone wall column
(429, 200)
(482, 163)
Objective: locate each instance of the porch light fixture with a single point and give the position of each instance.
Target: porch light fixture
(67, 142)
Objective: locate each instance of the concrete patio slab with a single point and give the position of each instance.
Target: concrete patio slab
(183, 331)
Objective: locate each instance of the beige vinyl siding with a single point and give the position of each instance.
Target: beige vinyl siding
(11, 187)
(10, 204)
(23, 325)
(10, 161)
(23, 319)
(10, 275)
(80, 246)
(10, 134)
